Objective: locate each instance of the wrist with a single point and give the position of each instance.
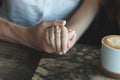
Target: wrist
(28, 37)
(11, 32)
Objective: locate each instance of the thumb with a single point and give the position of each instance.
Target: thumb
(71, 34)
(72, 39)
(52, 23)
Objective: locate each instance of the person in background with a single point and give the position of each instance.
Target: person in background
(41, 24)
(109, 21)
(112, 8)
(106, 23)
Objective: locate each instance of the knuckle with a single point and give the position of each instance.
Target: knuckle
(57, 22)
(64, 35)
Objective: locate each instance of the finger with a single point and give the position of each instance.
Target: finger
(64, 39)
(72, 41)
(52, 37)
(47, 37)
(58, 38)
(71, 33)
(60, 23)
(54, 23)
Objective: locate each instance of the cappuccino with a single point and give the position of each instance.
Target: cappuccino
(110, 55)
(112, 41)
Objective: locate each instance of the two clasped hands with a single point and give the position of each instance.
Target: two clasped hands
(53, 37)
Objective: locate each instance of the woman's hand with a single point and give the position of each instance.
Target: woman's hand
(60, 38)
(72, 39)
(57, 38)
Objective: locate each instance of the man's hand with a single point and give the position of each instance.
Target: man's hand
(33, 37)
(36, 35)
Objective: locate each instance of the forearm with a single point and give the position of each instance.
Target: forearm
(83, 17)
(12, 32)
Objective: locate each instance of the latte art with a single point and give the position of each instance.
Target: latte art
(110, 55)
(115, 41)
(112, 41)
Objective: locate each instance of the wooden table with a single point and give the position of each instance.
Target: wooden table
(17, 62)
(80, 63)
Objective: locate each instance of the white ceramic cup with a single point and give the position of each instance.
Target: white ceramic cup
(110, 53)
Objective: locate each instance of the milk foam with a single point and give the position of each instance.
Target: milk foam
(113, 41)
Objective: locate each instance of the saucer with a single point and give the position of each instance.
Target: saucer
(109, 73)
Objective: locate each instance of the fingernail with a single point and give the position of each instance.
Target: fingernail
(63, 23)
(64, 51)
(60, 53)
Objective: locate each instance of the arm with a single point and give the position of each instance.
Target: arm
(12, 32)
(83, 17)
(79, 22)
(32, 37)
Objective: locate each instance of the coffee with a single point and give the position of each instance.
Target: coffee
(112, 41)
(110, 55)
